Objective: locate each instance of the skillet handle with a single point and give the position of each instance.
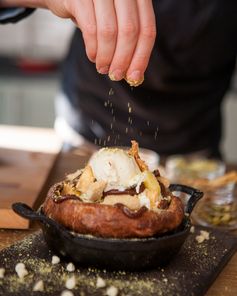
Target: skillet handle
(195, 195)
(27, 212)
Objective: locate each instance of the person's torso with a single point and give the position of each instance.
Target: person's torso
(177, 108)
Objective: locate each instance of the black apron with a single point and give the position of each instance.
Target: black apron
(178, 107)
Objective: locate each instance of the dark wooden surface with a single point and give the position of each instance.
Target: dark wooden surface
(191, 272)
(226, 282)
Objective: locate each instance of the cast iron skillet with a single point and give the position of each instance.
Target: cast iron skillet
(115, 254)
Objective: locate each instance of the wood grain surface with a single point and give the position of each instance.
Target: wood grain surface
(22, 176)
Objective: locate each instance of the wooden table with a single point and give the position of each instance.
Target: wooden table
(225, 284)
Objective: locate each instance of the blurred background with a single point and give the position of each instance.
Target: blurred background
(30, 58)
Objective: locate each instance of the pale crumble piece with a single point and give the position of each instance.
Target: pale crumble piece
(192, 229)
(20, 266)
(70, 283)
(70, 267)
(39, 286)
(112, 291)
(95, 191)
(2, 273)
(55, 259)
(205, 234)
(100, 283)
(21, 270)
(200, 239)
(66, 293)
(86, 179)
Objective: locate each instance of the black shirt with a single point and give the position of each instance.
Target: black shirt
(178, 107)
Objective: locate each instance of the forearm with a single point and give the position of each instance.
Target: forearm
(23, 3)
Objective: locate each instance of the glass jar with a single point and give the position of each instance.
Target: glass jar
(218, 207)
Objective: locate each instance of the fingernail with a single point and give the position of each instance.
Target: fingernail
(116, 75)
(135, 79)
(103, 70)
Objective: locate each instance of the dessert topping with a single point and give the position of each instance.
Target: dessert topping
(70, 283)
(55, 259)
(100, 283)
(2, 272)
(67, 293)
(70, 267)
(134, 151)
(112, 291)
(39, 286)
(85, 179)
(131, 202)
(21, 270)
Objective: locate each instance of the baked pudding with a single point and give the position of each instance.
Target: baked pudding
(115, 196)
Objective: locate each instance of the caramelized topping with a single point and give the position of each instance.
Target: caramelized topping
(134, 152)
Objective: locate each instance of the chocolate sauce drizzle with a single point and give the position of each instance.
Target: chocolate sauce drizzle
(129, 191)
(66, 197)
(156, 173)
(129, 213)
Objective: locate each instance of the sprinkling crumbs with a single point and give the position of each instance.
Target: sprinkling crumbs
(70, 283)
(55, 260)
(100, 283)
(111, 92)
(39, 286)
(67, 293)
(112, 291)
(70, 267)
(2, 272)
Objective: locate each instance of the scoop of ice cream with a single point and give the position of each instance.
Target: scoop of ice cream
(116, 167)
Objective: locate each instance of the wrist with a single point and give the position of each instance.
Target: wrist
(23, 3)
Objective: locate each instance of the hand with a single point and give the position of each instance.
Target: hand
(119, 34)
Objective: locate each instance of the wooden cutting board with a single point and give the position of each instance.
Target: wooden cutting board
(22, 176)
(191, 272)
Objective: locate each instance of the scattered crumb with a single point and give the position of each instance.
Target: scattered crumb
(100, 283)
(192, 229)
(67, 293)
(55, 260)
(2, 272)
(19, 266)
(39, 286)
(165, 280)
(70, 283)
(70, 267)
(21, 270)
(200, 239)
(204, 235)
(111, 92)
(112, 291)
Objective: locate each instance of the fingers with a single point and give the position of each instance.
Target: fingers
(106, 34)
(84, 14)
(128, 31)
(119, 35)
(146, 40)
